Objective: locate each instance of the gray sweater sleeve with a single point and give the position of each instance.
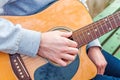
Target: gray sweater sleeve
(93, 43)
(15, 39)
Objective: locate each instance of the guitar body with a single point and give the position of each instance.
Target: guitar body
(63, 14)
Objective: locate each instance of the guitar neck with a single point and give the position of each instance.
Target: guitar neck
(92, 31)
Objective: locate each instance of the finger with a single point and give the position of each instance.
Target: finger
(72, 51)
(58, 62)
(61, 62)
(68, 57)
(98, 71)
(101, 70)
(66, 34)
(70, 43)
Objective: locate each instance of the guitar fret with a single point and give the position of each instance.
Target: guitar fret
(99, 30)
(119, 16)
(104, 25)
(90, 30)
(93, 32)
(96, 30)
(89, 35)
(109, 24)
(114, 21)
(76, 38)
(84, 38)
(81, 42)
(86, 35)
(79, 38)
(116, 16)
(98, 27)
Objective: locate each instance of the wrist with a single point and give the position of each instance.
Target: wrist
(93, 49)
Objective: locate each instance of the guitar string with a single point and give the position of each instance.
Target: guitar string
(96, 29)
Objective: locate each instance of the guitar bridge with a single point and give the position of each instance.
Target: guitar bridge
(19, 67)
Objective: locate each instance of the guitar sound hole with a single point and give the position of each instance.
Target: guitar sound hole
(61, 28)
(52, 72)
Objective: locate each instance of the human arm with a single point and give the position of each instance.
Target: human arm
(15, 39)
(53, 45)
(95, 54)
(98, 59)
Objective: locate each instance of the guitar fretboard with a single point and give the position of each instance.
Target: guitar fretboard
(92, 31)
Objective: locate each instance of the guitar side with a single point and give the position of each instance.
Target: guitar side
(70, 14)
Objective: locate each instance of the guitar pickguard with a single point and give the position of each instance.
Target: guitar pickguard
(52, 72)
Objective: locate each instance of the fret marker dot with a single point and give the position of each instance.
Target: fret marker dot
(18, 67)
(109, 28)
(15, 60)
(22, 76)
(19, 70)
(95, 29)
(16, 64)
(21, 73)
(88, 33)
(105, 19)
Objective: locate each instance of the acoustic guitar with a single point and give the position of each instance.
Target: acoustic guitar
(65, 15)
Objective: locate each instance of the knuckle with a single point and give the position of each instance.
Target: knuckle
(54, 59)
(75, 43)
(100, 65)
(76, 50)
(106, 64)
(66, 42)
(74, 57)
(64, 50)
